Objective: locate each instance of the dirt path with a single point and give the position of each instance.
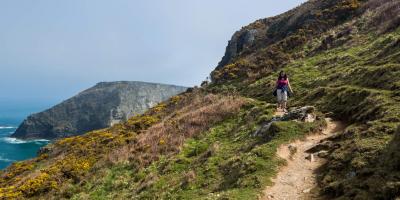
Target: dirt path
(298, 177)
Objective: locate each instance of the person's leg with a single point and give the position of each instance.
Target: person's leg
(284, 106)
(284, 101)
(279, 98)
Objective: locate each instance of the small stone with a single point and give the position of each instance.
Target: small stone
(292, 149)
(310, 157)
(309, 118)
(322, 154)
(351, 174)
(307, 190)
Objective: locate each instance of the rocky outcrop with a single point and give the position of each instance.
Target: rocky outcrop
(305, 114)
(239, 41)
(98, 107)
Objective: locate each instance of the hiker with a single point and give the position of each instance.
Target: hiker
(282, 90)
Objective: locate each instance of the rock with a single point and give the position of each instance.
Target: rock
(265, 128)
(309, 118)
(101, 106)
(294, 114)
(329, 114)
(239, 41)
(307, 190)
(351, 174)
(292, 149)
(322, 154)
(262, 130)
(310, 157)
(325, 145)
(298, 113)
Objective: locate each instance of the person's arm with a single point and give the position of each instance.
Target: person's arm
(290, 88)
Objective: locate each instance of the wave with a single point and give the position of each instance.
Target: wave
(6, 159)
(7, 127)
(11, 140)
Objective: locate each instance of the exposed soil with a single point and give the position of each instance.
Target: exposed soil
(297, 179)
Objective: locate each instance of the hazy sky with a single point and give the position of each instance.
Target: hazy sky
(52, 49)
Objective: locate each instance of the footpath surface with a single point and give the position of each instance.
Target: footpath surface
(296, 179)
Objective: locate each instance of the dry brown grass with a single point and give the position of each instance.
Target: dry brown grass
(387, 14)
(196, 115)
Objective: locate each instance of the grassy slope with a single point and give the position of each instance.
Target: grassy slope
(355, 86)
(224, 162)
(355, 78)
(358, 82)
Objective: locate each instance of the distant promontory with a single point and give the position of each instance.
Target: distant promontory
(98, 107)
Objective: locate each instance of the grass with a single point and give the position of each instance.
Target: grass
(358, 87)
(138, 142)
(224, 162)
(350, 81)
(198, 145)
(357, 82)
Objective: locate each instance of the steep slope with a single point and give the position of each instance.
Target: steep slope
(342, 57)
(101, 106)
(350, 71)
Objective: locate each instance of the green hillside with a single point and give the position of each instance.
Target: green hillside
(342, 56)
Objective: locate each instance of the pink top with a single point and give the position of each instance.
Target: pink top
(282, 83)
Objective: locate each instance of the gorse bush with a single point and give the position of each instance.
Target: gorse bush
(168, 136)
(342, 56)
(225, 161)
(137, 142)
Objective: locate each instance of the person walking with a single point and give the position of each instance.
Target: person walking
(282, 89)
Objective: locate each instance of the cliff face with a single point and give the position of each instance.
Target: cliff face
(101, 106)
(342, 57)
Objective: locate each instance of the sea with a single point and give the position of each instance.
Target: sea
(13, 149)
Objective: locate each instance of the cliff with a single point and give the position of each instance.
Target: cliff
(342, 57)
(101, 106)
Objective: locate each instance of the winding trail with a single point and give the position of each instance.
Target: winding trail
(297, 179)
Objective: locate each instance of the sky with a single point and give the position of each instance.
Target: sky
(50, 50)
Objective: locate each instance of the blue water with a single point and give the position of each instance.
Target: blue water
(12, 149)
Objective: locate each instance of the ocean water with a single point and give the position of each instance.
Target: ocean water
(12, 149)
